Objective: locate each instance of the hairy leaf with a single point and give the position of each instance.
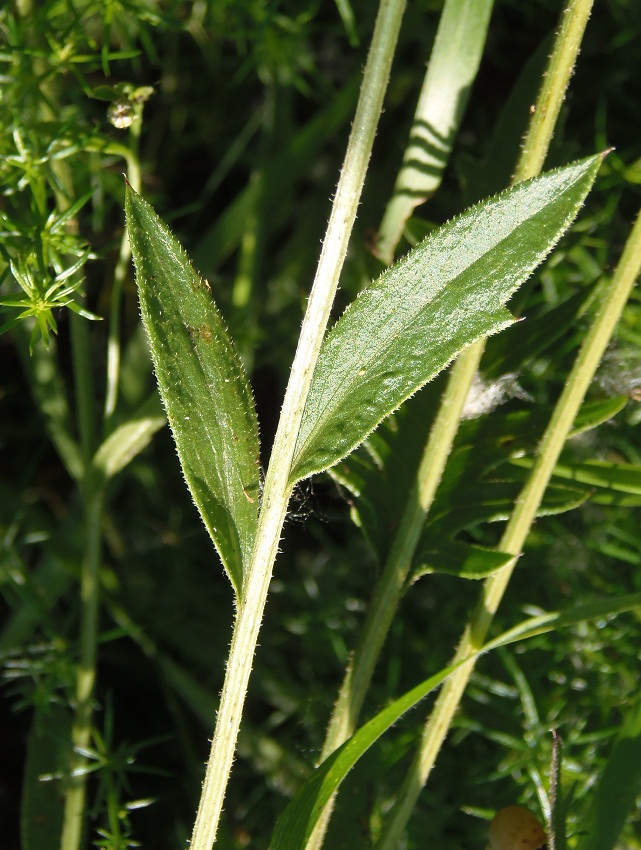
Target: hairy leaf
(203, 385)
(445, 294)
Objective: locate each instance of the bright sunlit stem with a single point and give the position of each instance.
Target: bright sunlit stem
(537, 141)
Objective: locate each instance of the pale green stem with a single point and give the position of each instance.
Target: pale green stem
(278, 484)
(392, 582)
(73, 824)
(390, 587)
(83, 386)
(537, 141)
(452, 68)
(553, 88)
(518, 527)
(73, 819)
(93, 493)
(456, 54)
(92, 488)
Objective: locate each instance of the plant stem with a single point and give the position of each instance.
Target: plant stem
(389, 588)
(392, 582)
(452, 68)
(455, 58)
(81, 728)
(83, 385)
(92, 493)
(388, 591)
(536, 144)
(553, 88)
(278, 484)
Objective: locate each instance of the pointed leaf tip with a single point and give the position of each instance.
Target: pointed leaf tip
(422, 312)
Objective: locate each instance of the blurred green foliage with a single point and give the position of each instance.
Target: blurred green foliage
(240, 148)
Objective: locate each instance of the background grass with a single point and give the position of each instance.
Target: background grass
(240, 149)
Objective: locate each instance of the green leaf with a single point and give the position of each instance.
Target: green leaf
(47, 762)
(203, 385)
(445, 294)
(477, 485)
(461, 559)
(620, 477)
(129, 439)
(618, 788)
(490, 501)
(597, 412)
(297, 822)
(381, 473)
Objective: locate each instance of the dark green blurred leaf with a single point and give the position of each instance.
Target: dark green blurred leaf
(617, 477)
(522, 342)
(462, 560)
(614, 798)
(130, 438)
(42, 791)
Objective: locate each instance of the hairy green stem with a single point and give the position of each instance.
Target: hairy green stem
(392, 582)
(553, 88)
(278, 483)
(453, 64)
(390, 586)
(452, 68)
(438, 447)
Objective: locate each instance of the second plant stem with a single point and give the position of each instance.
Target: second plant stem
(381, 611)
(86, 673)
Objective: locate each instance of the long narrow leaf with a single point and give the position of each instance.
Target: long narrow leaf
(130, 438)
(297, 822)
(618, 788)
(444, 295)
(203, 385)
(624, 477)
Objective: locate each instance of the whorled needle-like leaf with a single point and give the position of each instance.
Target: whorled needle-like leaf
(203, 385)
(445, 294)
